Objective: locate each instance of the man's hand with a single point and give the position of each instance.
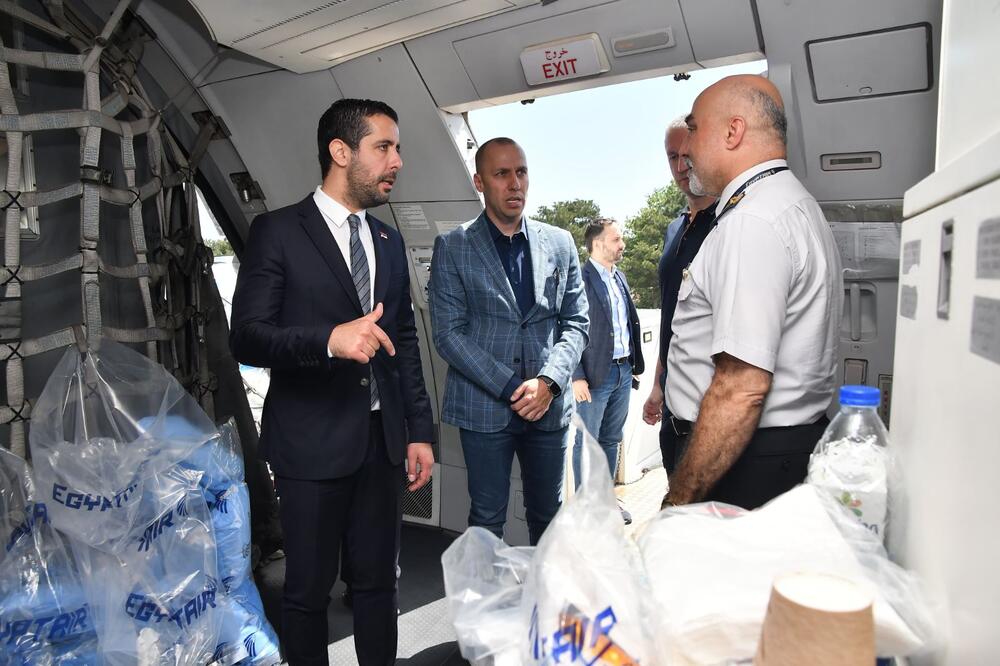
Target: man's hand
(358, 340)
(652, 410)
(581, 390)
(419, 464)
(531, 399)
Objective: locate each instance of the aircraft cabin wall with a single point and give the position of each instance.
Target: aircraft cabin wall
(817, 55)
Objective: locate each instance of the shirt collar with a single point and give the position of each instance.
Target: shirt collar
(605, 273)
(735, 183)
(495, 232)
(332, 209)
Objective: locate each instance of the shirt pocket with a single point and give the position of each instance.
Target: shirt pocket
(686, 289)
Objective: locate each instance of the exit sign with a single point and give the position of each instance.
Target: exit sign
(565, 59)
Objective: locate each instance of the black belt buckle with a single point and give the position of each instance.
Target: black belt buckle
(681, 427)
(620, 361)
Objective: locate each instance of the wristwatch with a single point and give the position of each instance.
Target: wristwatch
(554, 388)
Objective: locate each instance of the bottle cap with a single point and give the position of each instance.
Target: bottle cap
(860, 396)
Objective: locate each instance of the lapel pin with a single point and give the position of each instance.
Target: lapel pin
(383, 235)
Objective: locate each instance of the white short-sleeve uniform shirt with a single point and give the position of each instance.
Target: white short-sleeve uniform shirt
(766, 288)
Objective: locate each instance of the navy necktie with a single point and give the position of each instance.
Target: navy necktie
(359, 271)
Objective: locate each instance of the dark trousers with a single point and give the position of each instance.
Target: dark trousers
(775, 461)
(363, 511)
(668, 443)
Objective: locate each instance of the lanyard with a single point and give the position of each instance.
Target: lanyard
(741, 191)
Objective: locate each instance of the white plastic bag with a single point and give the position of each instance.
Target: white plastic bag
(711, 567)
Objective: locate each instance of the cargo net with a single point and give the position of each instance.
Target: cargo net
(171, 265)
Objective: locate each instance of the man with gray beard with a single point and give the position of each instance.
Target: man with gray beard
(751, 365)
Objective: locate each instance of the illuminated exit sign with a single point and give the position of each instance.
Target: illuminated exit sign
(565, 59)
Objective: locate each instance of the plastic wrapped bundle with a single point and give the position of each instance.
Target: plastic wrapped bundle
(246, 638)
(160, 593)
(230, 511)
(103, 425)
(44, 616)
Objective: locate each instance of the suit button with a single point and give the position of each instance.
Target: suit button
(517, 360)
(524, 326)
(364, 381)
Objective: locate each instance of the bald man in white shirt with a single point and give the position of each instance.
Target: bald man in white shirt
(752, 361)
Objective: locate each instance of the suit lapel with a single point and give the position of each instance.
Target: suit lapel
(315, 227)
(479, 233)
(379, 242)
(602, 291)
(538, 241)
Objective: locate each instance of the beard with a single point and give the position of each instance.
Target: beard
(363, 188)
(695, 184)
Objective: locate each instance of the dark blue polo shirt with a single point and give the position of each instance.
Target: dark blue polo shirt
(671, 269)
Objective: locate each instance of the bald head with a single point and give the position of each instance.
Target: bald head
(736, 123)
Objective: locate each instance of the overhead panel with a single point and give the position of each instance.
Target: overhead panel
(873, 64)
(308, 35)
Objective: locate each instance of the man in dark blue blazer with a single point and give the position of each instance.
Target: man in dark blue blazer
(613, 356)
(323, 300)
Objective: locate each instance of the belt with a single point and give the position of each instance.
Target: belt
(681, 427)
(620, 361)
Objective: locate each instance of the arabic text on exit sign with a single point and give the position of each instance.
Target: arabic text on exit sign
(565, 59)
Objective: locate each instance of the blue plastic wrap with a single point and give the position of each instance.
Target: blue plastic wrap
(230, 510)
(43, 610)
(246, 638)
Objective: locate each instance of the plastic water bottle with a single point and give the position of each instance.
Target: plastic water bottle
(852, 459)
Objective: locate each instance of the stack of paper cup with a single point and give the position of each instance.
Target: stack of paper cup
(817, 619)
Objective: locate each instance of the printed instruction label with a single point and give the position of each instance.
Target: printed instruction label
(988, 250)
(985, 340)
(448, 225)
(911, 255)
(410, 217)
(908, 302)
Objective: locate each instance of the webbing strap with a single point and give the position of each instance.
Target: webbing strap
(29, 18)
(34, 346)
(59, 120)
(66, 62)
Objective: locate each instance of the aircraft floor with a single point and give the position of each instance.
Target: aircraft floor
(426, 637)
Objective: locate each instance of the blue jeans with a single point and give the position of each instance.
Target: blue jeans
(604, 416)
(489, 457)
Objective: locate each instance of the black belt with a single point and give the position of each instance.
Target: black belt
(620, 361)
(681, 427)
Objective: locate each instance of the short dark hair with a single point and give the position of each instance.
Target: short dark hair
(347, 120)
(771, 114)
(497, 141)
(594, 229)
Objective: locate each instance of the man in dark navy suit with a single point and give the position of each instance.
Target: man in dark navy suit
(604, 377)
(323, 300)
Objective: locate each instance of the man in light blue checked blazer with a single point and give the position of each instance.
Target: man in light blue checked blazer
(509, 316)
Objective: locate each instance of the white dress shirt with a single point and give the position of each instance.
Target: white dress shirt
(619, 310)
(335, 216)
(766, 288)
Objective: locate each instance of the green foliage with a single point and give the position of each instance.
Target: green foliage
(644, 243)
(573, 216)
(220, 247)
(643, 236)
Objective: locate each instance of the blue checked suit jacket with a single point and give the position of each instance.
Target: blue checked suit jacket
(483, 336)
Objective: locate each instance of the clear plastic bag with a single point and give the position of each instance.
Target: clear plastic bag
(583, 595)
(586, 593)
(130, 465)
(161, 592)
(44, 614)
(106, 421)
(483, 582)
(711, 567)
